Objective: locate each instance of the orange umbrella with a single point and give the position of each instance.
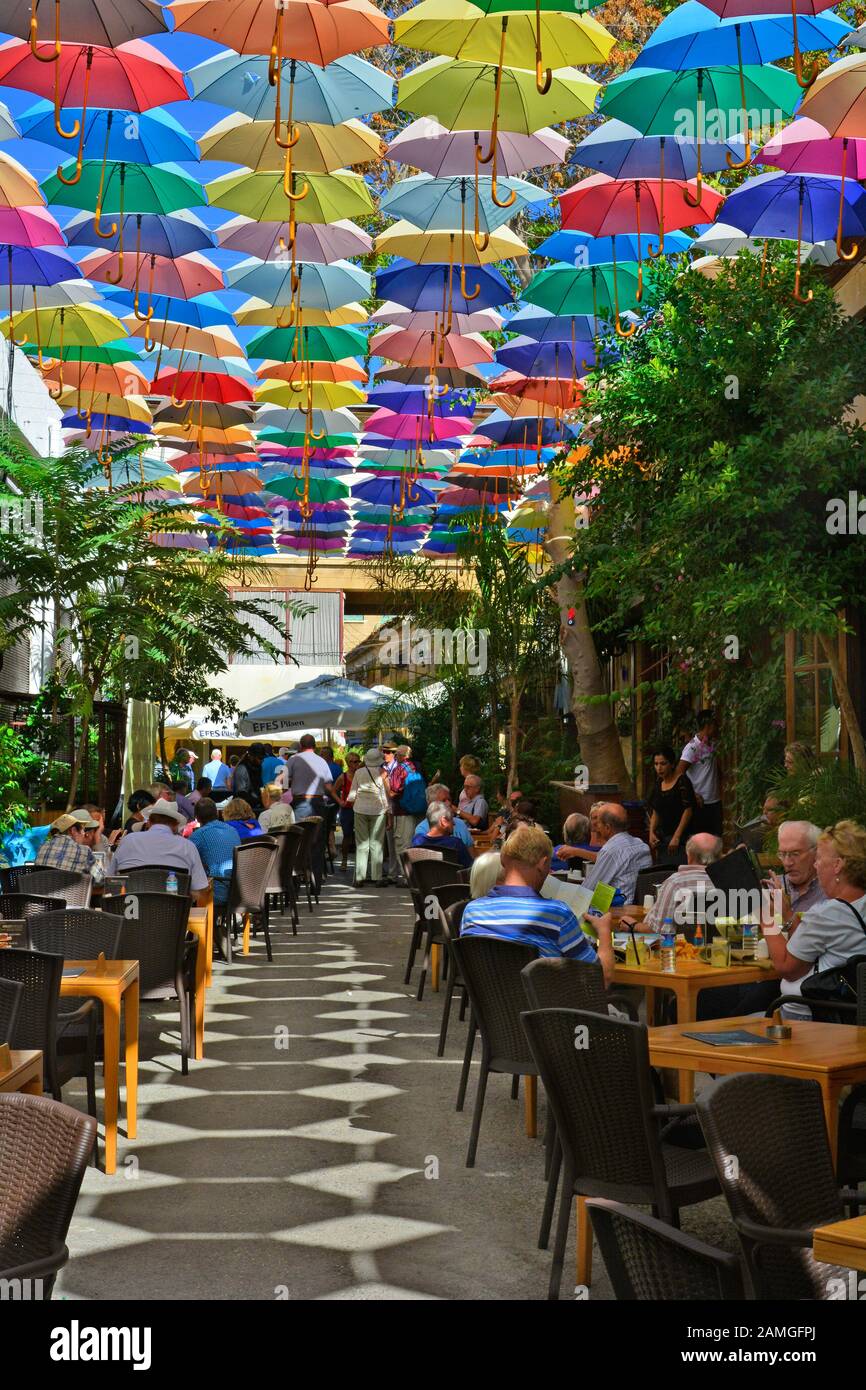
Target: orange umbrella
(313, 31)
(93, 377)
(553, 391)
(301, 372)
(228, 484)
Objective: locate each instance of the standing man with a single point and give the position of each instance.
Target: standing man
(186, 772)
(408, 801)
(700, 761)
(308, 778)
(217, 772)
(271, 763)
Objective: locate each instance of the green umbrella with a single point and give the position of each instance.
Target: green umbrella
(297, 439)
(594, 289)
(110, 353)
(316, 489)
(125, 188)
(315, 345)
(314, 197)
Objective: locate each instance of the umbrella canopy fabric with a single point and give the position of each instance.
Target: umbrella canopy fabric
(317, 31)
(318, 286)
(156, 234)
(460, 94)
(106, 22)
(837, 98)
(154, 138)
(320, 148)
(606, 207)
(414, 349)
(125, 188)
(454, 27)
(804, 147)
(434, 204)
(434, 149)
(329, 197)
(693, 35)
(348, 87)
(327, 702)
(30, 226)
(313, 241)
(182, 275)
(428, 287)
(621, 151)
(405, 240)
(580, 249)
(135, 77)
(314, 344)
(797, 206)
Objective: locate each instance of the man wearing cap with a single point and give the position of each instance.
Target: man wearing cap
(67, 846)
(159, 843)
(185, 759)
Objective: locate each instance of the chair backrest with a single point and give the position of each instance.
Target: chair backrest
(451, 916)
(18, 906)
(428, 875)
(650, 1261)
(10, 1001)
(552, 983)
(596, 1073)
(289, 845)
(40, 974)
(860, 1017)
(253, 862)
(768, 1139)
(153, 930)
(417, 855)
(650, 880)
(490, 969)
(77, 934)
(44, 1150)
(311, 829)
(152, 878)
(74, 888)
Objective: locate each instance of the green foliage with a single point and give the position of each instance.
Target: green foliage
(831, 792)
(14, 760)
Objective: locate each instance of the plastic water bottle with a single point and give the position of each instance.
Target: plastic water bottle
(669, 947)
(750, 931)
(171, 882)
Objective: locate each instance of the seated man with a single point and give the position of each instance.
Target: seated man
(159, 843)
(438, 792)
(68, 844)
(441, 834)
(621, 855)
(215, 841)
(472, 806)
(514, 909)
(680, 895)
(578, 846)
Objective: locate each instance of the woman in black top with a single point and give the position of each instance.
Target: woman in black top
(672, 805)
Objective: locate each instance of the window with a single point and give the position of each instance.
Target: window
(812, 710)
(276, 603)
(316, 638)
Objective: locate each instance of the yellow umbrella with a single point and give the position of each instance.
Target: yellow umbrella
(432, 248)
(326, 395)
(461, 30)
(235, 434)
(320, 149)
(78, 325)
(257, 312)
(18, 188)
(210, 342)
(103, 403)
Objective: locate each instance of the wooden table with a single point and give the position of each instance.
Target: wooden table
(201, 925)
(842, 1243)
(685, 984)
(113, 983)
(24, 1073)
(833, 1054)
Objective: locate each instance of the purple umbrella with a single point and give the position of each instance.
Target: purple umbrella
(313, 241)
(799, 207)
(434, 149)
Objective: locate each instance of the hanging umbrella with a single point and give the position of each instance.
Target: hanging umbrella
(98, 423)
(211, 414)
(320, 149)
(257, 313)
(198, 385)
(723, 240)
(119, 187)
(317, 31)
(155, 234)
(799, 207)
(205, 311)
(542, 326)
(804, 147)
(9, 127)
(837, 101)
(85, 325)
(91, 378)
(390, 425)
(737, 9)
(478, 321)
(111, 354)
(24, 265)
(596, 290)
(274, 417)
(18, 188)
(321, 394)
(455, 28)
(313, 344)
(155, 137)
(317, 489)
(108, 22)
(581, 249)
(213, 342)
(604, 207)
(441, 289)
(60, 296)
(300, 372)
(29, 226)
(434, 149)
(262, 196)
(389, 492)
(694, 34)
(184, 276)
(434, 204)
(456, 377)
(416, 400)
(313, 241)
(405, 240)
(552, 359)
(347, 88)
(418, 349)
(216, 366)
(621, 151)
(129, 406)
(318, 286)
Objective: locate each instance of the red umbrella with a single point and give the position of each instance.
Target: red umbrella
(201, 386)
(413, 348)
(603, 206)
(182, 277)
(556, 391)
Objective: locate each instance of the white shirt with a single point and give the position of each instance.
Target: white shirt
(277, 817)
(158, 845)
(307, 774)
(702, 770)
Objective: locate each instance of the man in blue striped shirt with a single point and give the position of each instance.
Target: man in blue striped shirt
(514, 910)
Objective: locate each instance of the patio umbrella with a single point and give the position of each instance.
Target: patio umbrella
(313, 241)
(317, 31)
(349, 87)
(837, 100)
(434, 149)
(799, 207)
(320, 149)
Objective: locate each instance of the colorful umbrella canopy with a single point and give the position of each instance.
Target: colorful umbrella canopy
(478, 321)
(155, 234)
(124, 188)
(434, 149)
(798, 207)
(181, 275)
(418, 349)
(135, 77)
(318, 286)
(198, 385)
(579, 248)
(300, 372)
(552, 359)
(313, 344)
(29, 226)
(621, 151)
(596, 290)
(108, 22)
(86, 325)
(456, 28)
(434, 204)
(461, 95)
(320, 149)
(693, 35)
(313, 241)
(320, 394)
(405, 240)
(435, 287)
(344, 89)
(605, 207)
(329, 197)
(316, 31)
(837, 100)
(804, 147)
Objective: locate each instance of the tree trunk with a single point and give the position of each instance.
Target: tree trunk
(78, 760)
(830, 647)
(513, 734)
(455, 727)
(162, 754)
(600, 748)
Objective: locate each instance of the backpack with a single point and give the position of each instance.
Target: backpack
(413, 797)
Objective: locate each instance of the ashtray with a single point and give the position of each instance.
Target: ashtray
(779, 1031)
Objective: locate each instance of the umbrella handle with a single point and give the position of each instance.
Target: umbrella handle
(497, 91)
(855, 249)
(543, 77)
(699, 177)
(747, 153)
(463, 290)
(800, 298)
(34, 33)
(699, 191)
(276, 53)
(804, 79)
(145, 318)
(80, 126)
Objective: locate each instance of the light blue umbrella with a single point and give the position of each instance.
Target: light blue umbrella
(620, 150)
(148, 137)
(222, 366)
(205, 311)
(346, 88)
(157, 233)
(320, 287)
(276, 417)
(445, 204)
(578, 248)
(693, 36)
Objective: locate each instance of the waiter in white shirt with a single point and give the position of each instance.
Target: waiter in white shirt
(308, 778)
(700, 762)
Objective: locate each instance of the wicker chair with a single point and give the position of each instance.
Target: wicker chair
(650, 880)
(491, 973)
(852, 1116)
(281, 885)
(152, 878)
(75, 889)
(44, 1149)
(311, 830)
(252, 867)
(155, 936)
(79, 934)
(423, 877)
(41, 1025)
(450, 918)
(17, 906)
(10, 1001)
(650, 1262)
(596, 1074)
(768, 1139)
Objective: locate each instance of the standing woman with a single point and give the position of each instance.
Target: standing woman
(347, 811)
(368, 797)
(672, 805)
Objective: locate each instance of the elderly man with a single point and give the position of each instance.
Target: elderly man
(577, 832)
(514, 909)
(472, 806)
(215, 841)
(438, 793)
(621, 856)
(68, 843)
(691, 883)
(798, 847)
(160, 844)
(440, 834)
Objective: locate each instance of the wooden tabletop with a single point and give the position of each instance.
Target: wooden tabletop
(842, 1243)
(825, 1048)
(109, 973)
(23, 1074)
(698, 973)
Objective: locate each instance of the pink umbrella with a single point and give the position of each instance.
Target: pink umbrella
(314, 241)
(804, 147)
(434, 149)
(313, 542)
(183, 277)
(388, 424)
(29, 227)
(482, 321)
(415, 349)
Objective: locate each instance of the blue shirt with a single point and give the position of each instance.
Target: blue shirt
(515, 913)
(215, 843)
(217, 774)
(461, 830)
(444, 842)
(269, 767)
(244, 829)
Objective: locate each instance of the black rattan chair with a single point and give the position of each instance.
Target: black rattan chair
(852, 1116)
(305, 864)
(423, 877)
(153, 932)
(596, 1073)
(767, 1136)
(491, 973)
(75, 889)
(281, 885)
(44, 1149)
(252, 869)
(449, 922)
(152, 878)
(77, 934)
(19, 906)
(651, 1262)
(10, 1000)
(40, 1025)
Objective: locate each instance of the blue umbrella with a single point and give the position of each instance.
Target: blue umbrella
(693, 36)
(545, 327)
(551, 359)
(365, 545)
(205, 311)
(345, 88)
(148, 137)
(578, 248)
(160, 235)
(444, 204)
(509, 458)
(424, 286)
(525, 429)
(318, 287)
(798, 207)
(96, 423)
(415, 400)
(387, 492)
(23, 265)
(620, 150)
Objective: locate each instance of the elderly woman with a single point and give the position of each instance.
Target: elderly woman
(347, 814)
(277, 814)
(368, 797)
(486, 872)
(241, 815)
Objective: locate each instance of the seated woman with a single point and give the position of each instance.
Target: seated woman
(672, 806)
(486, 872)
(577, 846)
(240, 814)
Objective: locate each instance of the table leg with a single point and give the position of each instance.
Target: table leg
(130, 1024)
(435, 964)
(245, 949)
(110, 1075)
(201, 958)
(650, 1006)
(687, 1004)
(33, 1087)
(584, 1245)
(208, 947)
(830, 1096)
(530, 1105)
